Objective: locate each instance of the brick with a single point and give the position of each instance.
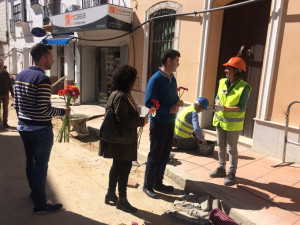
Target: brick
(132, 183)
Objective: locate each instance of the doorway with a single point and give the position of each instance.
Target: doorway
(108, 60)
(246, 26)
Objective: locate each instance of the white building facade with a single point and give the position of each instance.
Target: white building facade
(87, 64)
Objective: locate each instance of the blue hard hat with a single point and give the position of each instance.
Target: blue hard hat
(203, 102)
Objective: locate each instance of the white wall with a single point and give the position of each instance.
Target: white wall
(23, 39)
(54, 68)
(3, 24)
(268, 138)
(69, 61)
(88, 74)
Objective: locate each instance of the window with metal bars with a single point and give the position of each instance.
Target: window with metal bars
(161, 38)
(12, 26)
(19, 12)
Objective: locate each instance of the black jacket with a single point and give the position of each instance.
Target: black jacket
(127, 116)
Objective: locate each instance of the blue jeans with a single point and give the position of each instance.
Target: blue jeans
(161, 139)
(38, 145)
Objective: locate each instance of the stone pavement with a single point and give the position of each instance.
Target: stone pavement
(267, 192)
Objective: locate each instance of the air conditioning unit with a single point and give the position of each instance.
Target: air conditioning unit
(72, 8)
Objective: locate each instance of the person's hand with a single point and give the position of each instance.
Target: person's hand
(180, 103)
(68, 110)
(174, 108)
(218, 102)
(146, 120)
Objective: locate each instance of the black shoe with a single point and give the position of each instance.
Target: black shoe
(230, 179)
(5, 125)
(150, 193)
(124, 205)
(32, 197)
(111, 197)
(164, 188)
(47, 207)
(219, 172)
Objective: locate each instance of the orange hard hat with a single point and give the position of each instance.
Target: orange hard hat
(236, 62)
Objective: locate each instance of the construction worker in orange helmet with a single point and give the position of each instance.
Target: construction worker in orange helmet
(232, 95)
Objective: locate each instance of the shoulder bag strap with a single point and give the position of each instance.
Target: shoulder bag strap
(112, 103)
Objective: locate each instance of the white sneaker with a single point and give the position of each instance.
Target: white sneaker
(172, 154)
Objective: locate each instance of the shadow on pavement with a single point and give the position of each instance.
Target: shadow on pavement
(250, 195)
(277, 190)
(16, 207)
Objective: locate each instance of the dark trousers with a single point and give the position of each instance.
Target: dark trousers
(161, 139)
(119, 173)
(4, 99)
(38, 145)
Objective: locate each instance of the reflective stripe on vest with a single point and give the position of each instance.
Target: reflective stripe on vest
(182, 128)
(230, 121)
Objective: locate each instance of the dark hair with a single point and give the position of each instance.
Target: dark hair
(39, 50)
(169, 53)
(123, 78)
(239, 72)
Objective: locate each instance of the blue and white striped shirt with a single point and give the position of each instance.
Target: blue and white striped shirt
(32, 98)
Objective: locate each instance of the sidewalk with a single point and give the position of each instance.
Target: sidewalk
(267, 191)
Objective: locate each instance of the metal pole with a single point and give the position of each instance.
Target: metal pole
(59, 80)
(286, 128)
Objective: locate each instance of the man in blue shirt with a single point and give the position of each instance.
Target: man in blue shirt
(162, 87)
(187, 129)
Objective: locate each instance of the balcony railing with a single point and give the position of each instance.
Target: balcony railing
(92, 3)
(52, 10)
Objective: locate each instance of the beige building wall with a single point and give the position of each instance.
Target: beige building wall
(188, 39)
(286, 86)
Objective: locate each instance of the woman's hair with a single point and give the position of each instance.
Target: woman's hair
(123, 78)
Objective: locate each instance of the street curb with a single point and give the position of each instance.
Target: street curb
(200, 188)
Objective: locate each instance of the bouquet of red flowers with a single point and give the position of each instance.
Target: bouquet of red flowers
(180, 91)
(70, 93)
(152, 110)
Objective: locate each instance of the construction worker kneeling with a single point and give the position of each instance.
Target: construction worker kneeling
(188, 133)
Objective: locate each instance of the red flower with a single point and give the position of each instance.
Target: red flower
(70, 93)
(61, 92)
(179, 91)
(156, 103)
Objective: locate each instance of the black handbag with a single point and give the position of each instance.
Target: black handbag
(112, 132)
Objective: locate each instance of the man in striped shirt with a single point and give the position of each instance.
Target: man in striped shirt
(34, 110)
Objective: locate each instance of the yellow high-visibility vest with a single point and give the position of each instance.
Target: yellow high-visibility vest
(230, 121)
(182, 128)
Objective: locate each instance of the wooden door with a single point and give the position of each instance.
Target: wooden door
(246, 25)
